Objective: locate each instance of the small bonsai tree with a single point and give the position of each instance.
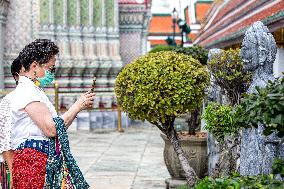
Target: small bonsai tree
(228, 71)
(159, 86)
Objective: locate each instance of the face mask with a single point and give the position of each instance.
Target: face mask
(47, 79)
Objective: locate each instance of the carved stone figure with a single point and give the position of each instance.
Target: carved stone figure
(258, 53)
(222, 156)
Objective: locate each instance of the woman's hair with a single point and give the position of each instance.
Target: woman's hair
(41, 50)
(16, 67)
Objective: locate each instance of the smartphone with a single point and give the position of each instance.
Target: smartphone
(94, 85)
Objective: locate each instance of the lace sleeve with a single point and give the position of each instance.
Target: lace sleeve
(5, 125)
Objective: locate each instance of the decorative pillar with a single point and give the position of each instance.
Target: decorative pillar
(3, 18)
(134, 21)
(18, 32)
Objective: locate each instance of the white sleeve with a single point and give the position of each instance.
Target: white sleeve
(25, 96)
(5, 125)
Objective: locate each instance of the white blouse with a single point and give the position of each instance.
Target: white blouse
(5, 124)
(23, 126)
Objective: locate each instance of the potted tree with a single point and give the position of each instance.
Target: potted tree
(159, 86)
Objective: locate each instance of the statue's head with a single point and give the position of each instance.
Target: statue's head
(258, 48)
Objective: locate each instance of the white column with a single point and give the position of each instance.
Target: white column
(192, 12)
(51, 13)
(116, 15)
(65, 12)
(78, 13)
(103, 16)
(278, 66)
(91, 12)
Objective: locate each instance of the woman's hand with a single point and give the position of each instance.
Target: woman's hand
(86, 100)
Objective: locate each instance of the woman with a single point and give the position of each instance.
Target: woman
(5, 128)
(33, 113)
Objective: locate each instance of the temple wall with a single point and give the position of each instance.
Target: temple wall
(86, 31)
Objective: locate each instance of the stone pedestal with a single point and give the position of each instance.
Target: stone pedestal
(174, 183)
(83, 121)
(96, 119)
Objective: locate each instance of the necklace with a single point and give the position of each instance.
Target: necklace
(36, 82)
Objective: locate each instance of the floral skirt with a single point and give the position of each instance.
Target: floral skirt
(29, 168)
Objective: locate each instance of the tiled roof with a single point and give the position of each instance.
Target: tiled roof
(232, 18)
(201, 10)
(162, 24)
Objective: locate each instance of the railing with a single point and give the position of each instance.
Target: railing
(56, 102)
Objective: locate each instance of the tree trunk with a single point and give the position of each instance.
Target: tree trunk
(193, 120)
(189, 171)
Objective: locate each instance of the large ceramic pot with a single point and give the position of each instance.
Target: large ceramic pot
(196, 150)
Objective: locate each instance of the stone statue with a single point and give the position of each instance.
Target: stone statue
(258, 53)
(222, 157)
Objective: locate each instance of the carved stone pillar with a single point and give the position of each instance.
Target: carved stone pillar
(133, 23)
(3, 18)
(18, 33)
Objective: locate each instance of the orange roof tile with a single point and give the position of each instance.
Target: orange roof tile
(192, 36)
(162, 42)
(162, 23)
(201, 11)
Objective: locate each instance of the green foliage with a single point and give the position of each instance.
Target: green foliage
(228, 71)
(265, 106)
(219, 120)
(239, 182)
(159, 86)
(278, 167)
(159, 48)
(197, 52)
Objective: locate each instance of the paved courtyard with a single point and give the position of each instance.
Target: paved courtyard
(113, 160)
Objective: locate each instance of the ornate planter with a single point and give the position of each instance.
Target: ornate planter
(195, 149)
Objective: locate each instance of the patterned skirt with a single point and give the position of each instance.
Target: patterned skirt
(29, 168)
